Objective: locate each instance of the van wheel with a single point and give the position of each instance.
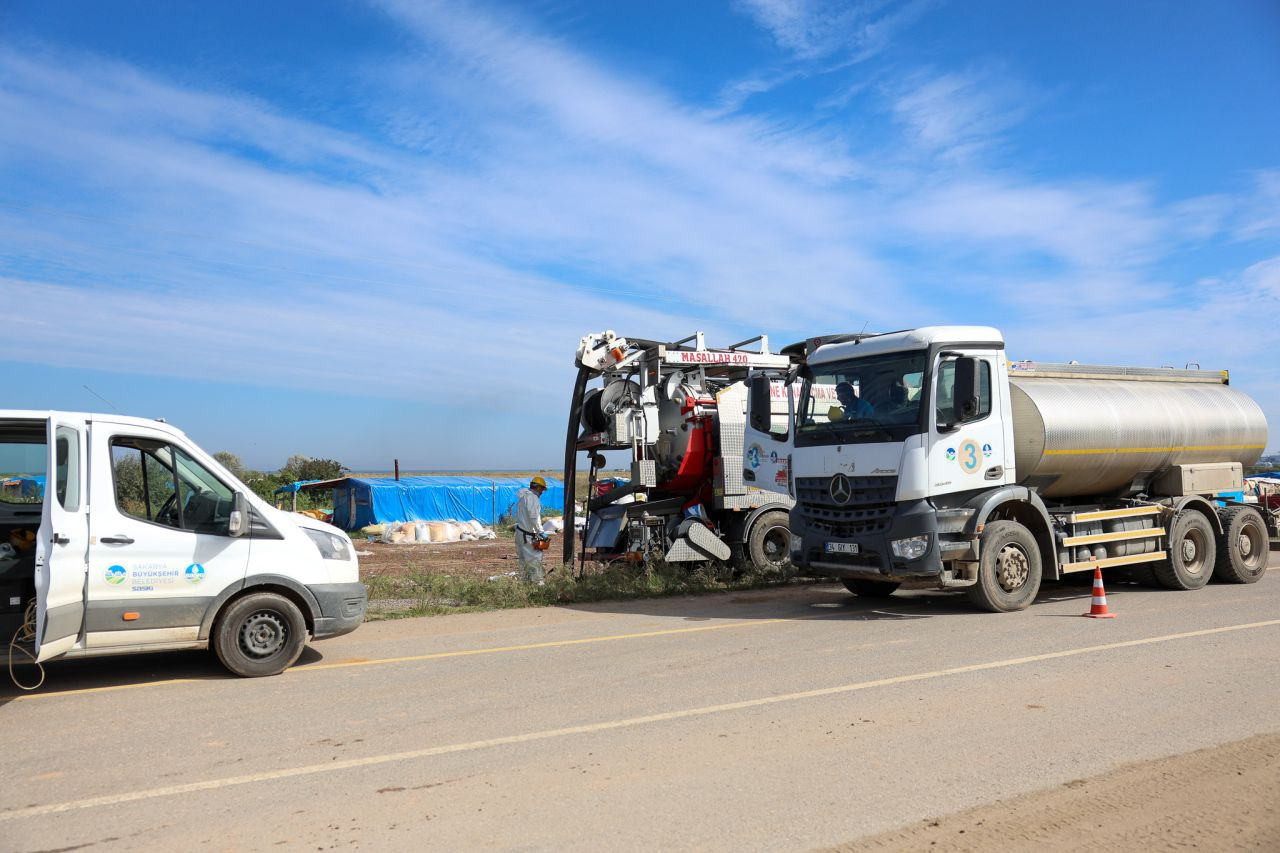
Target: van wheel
(1242, 550)
(259, 634)
(1009, 569)
(769, 542)
(1192, 552)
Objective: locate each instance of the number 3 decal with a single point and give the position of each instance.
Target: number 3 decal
(970, 456)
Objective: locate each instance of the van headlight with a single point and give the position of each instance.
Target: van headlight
(331, 546)
(911, 548)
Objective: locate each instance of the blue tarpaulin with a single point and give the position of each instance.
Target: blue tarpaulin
(295, 486)
(360, 501)
(27, 486)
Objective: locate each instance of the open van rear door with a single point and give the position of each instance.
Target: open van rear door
(63, 545)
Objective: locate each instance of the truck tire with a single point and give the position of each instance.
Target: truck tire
(1242, 550)
(1009, 568)
(769, 542)
(259, 634)
(1192, 552)
(868, 588)
(1144, 575)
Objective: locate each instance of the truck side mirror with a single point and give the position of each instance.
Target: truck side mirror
(760, 403)
(967, 394)
(238, 524)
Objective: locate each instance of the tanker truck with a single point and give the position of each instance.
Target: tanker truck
(925, 459)
(677, 410)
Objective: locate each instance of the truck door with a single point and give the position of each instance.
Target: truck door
(161, 547)
(967, 454)
(62, 545)
(766, 444)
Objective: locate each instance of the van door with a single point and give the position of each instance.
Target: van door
(62, 546)
(161, 548)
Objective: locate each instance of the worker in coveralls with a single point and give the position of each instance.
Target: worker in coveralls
(529, 530)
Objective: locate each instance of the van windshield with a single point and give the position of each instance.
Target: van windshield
(24, 458)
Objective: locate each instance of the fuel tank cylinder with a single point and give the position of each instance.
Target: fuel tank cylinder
(1081, 437)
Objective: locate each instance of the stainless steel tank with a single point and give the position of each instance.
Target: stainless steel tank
(1085, 435)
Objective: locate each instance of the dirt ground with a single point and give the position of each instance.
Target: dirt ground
(480, 559)
(1213, 799)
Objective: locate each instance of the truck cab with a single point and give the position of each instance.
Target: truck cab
(925, 458)
(121, 535)
(881, 440)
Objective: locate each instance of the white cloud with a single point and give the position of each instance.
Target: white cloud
(832, 29)
(958, 115)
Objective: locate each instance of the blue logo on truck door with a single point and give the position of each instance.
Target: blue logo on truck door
(195, 573)
(115, 575)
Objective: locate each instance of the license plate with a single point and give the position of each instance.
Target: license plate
(842, 547)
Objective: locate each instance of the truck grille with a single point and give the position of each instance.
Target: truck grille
(868, 511)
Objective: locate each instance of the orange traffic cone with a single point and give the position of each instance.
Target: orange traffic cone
(1098, 604)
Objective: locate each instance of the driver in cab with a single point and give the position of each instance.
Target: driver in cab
(851, 405)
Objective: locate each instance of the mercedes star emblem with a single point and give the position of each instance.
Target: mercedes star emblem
(841, 490)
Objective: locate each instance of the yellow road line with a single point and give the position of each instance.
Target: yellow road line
(592, 728)
(550, 644)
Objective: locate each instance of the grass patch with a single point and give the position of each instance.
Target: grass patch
(426, 594)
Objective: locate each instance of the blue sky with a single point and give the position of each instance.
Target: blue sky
(370, 230)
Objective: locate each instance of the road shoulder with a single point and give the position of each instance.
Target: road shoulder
(1221, 798)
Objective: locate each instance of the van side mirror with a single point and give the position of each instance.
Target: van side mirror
(238, 525)
(967, 394)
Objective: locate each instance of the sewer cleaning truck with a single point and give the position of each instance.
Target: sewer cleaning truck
(926, 459)
(677, 410)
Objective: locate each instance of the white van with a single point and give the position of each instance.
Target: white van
(131, 538)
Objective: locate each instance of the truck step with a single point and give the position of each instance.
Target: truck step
(1111, 562)
(1117, 536)
(1104, 514)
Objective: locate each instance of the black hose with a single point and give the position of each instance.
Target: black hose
(571, 463)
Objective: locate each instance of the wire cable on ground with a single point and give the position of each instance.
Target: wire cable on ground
(24, 642)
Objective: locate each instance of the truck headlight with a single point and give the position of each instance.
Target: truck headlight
(911, 548)
(797, 544)
(331, 546)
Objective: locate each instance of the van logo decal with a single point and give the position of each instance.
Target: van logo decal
(195, 573)
(115, 575)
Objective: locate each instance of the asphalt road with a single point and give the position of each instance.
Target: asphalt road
(794, 718)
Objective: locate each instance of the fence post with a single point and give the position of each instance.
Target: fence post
(493, 504)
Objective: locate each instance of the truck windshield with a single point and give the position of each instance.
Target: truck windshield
(871, 399)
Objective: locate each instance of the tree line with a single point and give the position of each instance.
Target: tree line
(298, 467)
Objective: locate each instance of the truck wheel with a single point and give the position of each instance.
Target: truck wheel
(1191, 553)
(869, 589)
(769, 542)
(1144, 575)
(1009, 569)
(259, 634)
(1242, 550)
